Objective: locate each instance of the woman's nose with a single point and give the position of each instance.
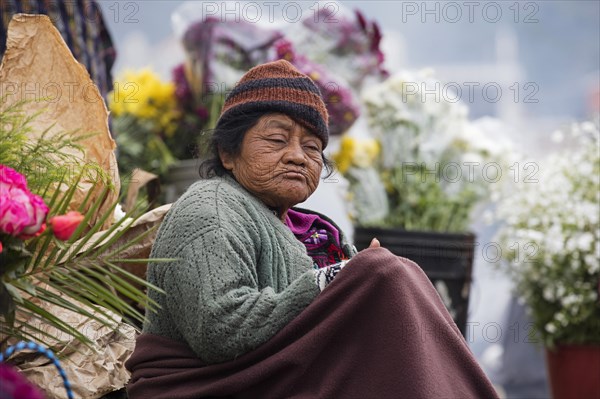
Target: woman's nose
(294, 153)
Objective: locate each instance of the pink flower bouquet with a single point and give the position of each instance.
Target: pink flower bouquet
(21, 212)
(23, 216)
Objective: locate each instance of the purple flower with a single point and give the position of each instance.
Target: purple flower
(202, 112)
(316, 236)
(212, 44)
(358, 40)
(341, 103)
(15, 386)
(183, 92)
(285, 50)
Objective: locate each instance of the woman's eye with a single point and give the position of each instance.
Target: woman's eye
(277, 140)
(312, 147)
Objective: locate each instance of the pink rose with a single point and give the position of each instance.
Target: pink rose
(21, 212)
(24, 236)
(64, 226)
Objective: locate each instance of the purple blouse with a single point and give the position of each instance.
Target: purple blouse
(321, 238)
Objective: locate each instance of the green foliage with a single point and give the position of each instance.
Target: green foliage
(83, 274)
(140, 147)
(418, 202)
(49, 159)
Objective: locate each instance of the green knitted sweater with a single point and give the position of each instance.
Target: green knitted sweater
(240, 277)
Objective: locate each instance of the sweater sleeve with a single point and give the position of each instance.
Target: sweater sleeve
(324, 276)
(213, 290)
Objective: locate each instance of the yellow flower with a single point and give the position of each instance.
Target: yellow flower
(343, 158)
(143, 95)
(356, 152)
(365, 153)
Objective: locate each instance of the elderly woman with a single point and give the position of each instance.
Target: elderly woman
(251, 307)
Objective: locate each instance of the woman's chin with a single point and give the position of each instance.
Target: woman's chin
(294, 192)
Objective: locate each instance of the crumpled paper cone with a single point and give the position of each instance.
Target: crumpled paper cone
(38, 66)
(92, 373)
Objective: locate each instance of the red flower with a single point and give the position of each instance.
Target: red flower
(64, 226)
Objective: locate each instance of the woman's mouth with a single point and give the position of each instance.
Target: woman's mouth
(294, 175)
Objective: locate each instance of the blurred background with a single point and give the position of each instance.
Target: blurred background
(464, 134)
(533, 65)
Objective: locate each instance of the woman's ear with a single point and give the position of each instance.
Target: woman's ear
(226, 159)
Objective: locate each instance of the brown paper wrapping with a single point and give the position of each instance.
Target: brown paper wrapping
(141, 249)
(39, 67)
(139, 179)
(91, 372)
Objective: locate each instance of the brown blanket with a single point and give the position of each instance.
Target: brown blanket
(379, 330)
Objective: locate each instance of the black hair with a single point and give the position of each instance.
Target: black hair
(228, 137)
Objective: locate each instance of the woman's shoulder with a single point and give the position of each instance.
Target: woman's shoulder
(210, 194)
(216, 200)
(202, 209)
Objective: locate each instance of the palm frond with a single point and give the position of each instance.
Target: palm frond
(84, 278)
(80, 277)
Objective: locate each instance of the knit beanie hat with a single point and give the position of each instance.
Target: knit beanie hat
(278, 87)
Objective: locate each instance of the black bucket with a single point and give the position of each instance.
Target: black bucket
(446, 258)
(179, 177)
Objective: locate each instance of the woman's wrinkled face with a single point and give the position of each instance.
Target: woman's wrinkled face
(280, 162)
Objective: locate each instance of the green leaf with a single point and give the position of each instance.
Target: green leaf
(14, 293)
(7, 305)
(26, 285)
(56, 322)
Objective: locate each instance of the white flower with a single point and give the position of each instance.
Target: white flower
(585, 168)
(495, 197)
(560, 317)
(119, 213)
(584, 241)
(571, 244)
(592, 263)
(548, 294)
(488, 217)
(589, 127)
(554, 240)
(551, 328)
(570, 300)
